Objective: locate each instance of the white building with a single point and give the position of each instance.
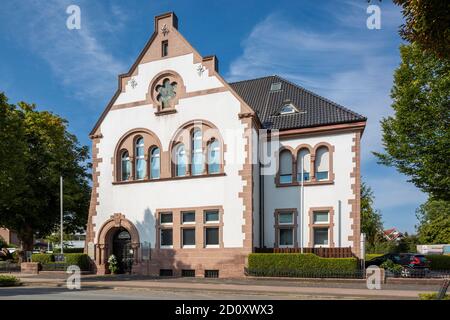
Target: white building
(175, 166)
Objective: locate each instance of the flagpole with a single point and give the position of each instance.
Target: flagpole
(61, 209)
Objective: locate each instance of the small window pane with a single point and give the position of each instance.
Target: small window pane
(180, 162)
(213, 157)
(320, 236)
(188, 217)
(286, 178)
(188, 237)
(322, 175)
(166, 237)
(166, 218)
(285, 217)
(212, 216)
(320, 217)
(286, 237)
(212, 236)
(155, 163)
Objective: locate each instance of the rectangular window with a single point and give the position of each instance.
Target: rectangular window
(188, 237)
(166, 237)
(320, 217)
(212, 237)
(305, 176)
(165, 48)
(286, 237)
(211, 273)
(285, 218)
(188, 273)
(320, 237)
(166, 218)
(188, 217)
(165, 272)
(211, 216)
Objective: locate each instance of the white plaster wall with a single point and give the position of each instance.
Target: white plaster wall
(315, 196)
(139, 202)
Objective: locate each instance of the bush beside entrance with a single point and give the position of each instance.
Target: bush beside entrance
(47, 259)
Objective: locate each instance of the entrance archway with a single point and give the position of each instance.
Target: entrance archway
(117, 236)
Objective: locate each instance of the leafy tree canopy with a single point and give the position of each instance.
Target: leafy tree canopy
(434, 218)
(416, 138)
(38, 150)
(427, 24)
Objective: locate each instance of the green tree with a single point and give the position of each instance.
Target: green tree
(416, 138)
(428, 24)
(371, 223)
(49, 152)
(12, 149)
(434, 219)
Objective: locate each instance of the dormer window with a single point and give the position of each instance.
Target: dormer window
(275, 86)
(288, 108)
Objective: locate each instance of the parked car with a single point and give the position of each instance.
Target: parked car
(412, 264)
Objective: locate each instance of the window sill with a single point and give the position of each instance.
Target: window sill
(164, 112)
(166, 247)
(306, 183)
(170, 179)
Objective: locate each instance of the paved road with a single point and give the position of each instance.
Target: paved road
(95, 293)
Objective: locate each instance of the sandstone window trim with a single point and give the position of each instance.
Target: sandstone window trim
(329, 224)
(312, 165)
(292, 227)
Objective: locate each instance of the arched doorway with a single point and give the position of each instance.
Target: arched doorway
(129, 242)
(121, 248)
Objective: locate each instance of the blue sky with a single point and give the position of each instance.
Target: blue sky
(324, 46)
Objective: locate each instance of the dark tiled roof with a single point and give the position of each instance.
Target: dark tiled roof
(314, 110)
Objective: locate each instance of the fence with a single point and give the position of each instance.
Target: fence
(419, 273)
(345, 252)
(7, 267)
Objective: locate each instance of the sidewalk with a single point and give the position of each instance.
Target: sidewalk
(249, 286)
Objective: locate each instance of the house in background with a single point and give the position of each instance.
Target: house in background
(393, 234)
(9, 236)
(176, 167)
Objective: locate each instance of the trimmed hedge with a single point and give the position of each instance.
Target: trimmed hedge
(42, 258)
(439, 262)
(79, 259)
(293, 264)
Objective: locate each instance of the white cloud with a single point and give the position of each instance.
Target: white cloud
(76, 57)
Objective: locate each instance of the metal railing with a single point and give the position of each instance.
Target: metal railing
(8, 267)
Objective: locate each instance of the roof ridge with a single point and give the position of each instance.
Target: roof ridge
(259, 78)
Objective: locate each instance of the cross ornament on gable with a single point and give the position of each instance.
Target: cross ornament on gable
(165, 30)
(133, 83)
(166, 92)
(200, 70)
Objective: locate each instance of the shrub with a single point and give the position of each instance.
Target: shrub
(296, 264)
(3, 243)
(113, 265)
(391, 266)
(8, 281)
(370, 256)
(432, 296)
(42, 258)
(79, 259)
(439, 262)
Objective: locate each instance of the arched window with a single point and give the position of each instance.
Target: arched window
(180, 161)
(285, 166)
(322, 165)
(197, 153)
(155, 163)
(214, 157)
(303, 159)
(140, 159)
(125, 166)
